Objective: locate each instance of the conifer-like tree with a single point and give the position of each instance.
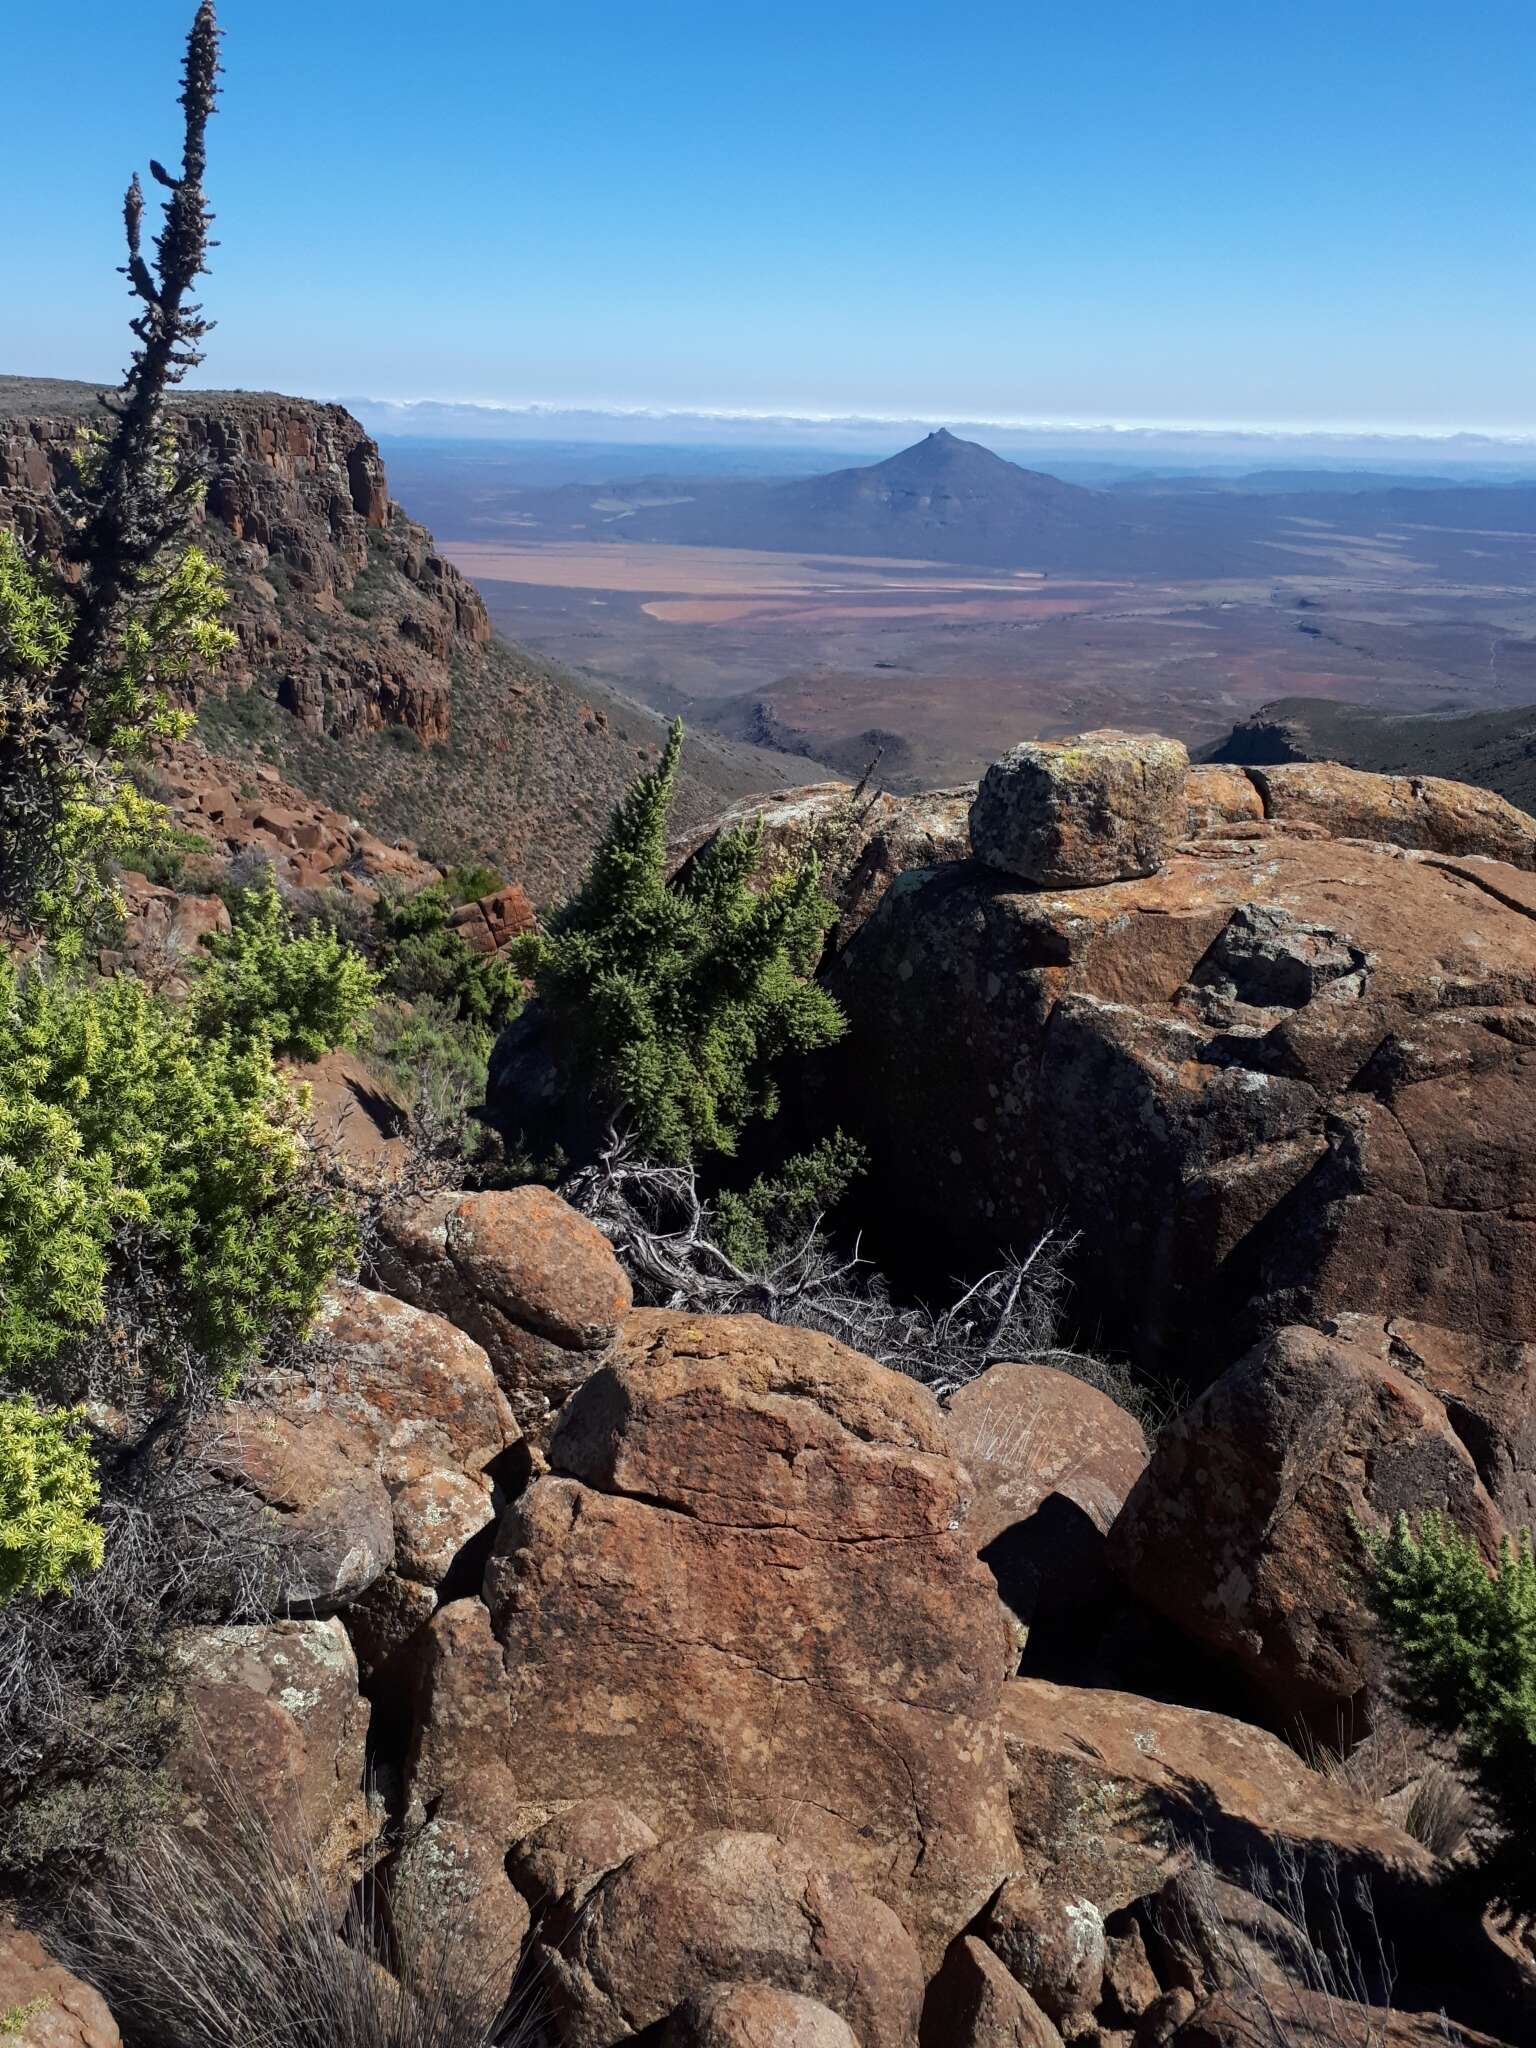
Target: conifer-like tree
(90, 665)
(1464, 1639)
(680, 995)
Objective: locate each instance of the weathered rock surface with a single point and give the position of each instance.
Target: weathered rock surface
(534, 1283)
(862, 841)
(1425, 811)
(1220, 797)
(275, 1727)
(559, 1863)
(449, 1891)
(1284, 1078)
(360, 1118)
(297, 507)
(974, 2003)
(296, 1493)
(1111, 1791)
(1244, 1529)
(756, 2016)
(43, 2005)
(721, 1908)
(757, 1538)
(439, 1429)
(1053, 1943)
(1074, 814)
(1052, 1460)
(492, 922)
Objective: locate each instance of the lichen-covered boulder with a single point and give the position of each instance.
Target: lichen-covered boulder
(522, 1274)
(274, 1729)
(1425, 811)
(723, 1907)
(1072, 814)
(1246, 1527)
(756, 1539)
(43, 2005)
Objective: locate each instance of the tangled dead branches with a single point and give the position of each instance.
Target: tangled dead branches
(663, 1231)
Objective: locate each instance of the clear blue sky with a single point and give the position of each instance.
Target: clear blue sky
(1207, 210)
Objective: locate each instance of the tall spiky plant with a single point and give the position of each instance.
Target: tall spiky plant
(89, 665)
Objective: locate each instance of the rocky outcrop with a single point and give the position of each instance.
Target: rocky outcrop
(862, 840)
(1287, 1076)
(342, 605)
(722, 1907)
(43, 2005)
(974, 2003)
(275, 1731)
(1246, 1527)
(533, 1282)
(1424, 811)
(1103, 807)
(757, 1537)
(1111, 1793)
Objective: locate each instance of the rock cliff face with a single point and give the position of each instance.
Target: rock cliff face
(366, 670)
(1288, 1075)
(343, 607)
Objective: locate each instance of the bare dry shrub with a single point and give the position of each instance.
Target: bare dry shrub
(194, 1946)
(662, 1230)
(1329, 1984)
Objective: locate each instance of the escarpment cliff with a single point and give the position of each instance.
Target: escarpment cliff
(366, 671)
(343, 608)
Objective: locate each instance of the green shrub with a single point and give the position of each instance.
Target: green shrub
(471, 880)
(677, 997)
(421, 955)
(48, 1489)
(1464, 1639)
(302, 995)
(766, 1220)
(129, 1140)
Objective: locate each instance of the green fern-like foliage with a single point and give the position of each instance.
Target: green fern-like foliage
(48, 1491)
(680, 996)
(1464, 1639)
(129, 1139)
(303, 994)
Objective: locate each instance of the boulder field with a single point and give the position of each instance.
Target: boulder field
(686, 1666)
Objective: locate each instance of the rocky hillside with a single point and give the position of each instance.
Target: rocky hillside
(1494, 748)
(366, 670)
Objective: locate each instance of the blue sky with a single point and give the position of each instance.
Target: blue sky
(1320, 214)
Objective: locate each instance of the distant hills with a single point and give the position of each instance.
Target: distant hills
(950, 500)
(1496, 749)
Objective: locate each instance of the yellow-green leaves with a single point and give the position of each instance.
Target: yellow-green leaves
(48, 1495)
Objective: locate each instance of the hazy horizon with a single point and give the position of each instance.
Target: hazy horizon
(1180, 221)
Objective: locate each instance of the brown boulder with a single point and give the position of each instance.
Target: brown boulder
(1054, 1944)
(1073, 814)
(275, 1726)
(1282, 1079)
(974, 2003)
(721, 1908)
(1245, 1527)
(559, 1863)
(1220, 797)
(296, 1495)
(534, 1283)
(451, 1897)
(756, 2016)
(1110, 1791)
(494, 921)
(1052, 1460)
(358, 1117)
(1424, 811)
(757, 1537)
(43, 2005)
(863, 841)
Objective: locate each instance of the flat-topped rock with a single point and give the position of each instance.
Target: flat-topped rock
(1070, 814)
